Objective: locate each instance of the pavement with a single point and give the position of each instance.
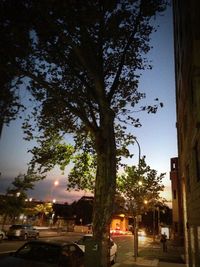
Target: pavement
(151, 255)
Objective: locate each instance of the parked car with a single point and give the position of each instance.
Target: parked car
(141, 232)
(116, 231)
(113, 246)
(45, 254)
(22, 231)
(2, 235)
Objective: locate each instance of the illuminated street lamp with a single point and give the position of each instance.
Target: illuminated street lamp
(140, 183)
(55, 183)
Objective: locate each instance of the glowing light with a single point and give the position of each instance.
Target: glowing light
(56, 183)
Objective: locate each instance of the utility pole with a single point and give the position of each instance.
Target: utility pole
(154, 223)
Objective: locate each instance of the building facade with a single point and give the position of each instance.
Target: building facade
(177, 202)
(187, 74)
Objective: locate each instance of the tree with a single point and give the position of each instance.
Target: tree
(82, 66)
(14, 202)
(43, 209)
(141, 187)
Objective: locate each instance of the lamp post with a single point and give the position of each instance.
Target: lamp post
(156, 222)
(136, 216)
(55, 183)
(139, 152)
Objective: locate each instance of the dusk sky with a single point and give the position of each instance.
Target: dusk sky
(157, 136)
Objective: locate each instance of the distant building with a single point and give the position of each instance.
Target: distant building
(119, 223)
(177, 202)
(187, 74)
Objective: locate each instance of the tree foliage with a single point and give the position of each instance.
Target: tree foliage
(89, 51)
(13, 45)
(82, 174)
(51, 151)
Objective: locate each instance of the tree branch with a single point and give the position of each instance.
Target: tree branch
(121, 64)
(76, 111)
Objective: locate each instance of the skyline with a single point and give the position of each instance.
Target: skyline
(157, 136)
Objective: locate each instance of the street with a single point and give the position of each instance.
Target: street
(125, 243)
(126, 246)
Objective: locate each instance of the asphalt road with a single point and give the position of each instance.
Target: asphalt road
(125, 244)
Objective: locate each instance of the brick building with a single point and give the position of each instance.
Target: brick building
(187, 74)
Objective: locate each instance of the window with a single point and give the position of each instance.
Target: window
(174, 166)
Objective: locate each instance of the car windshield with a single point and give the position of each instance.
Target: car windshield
(84, 239)
(39, 252)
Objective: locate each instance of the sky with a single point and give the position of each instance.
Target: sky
(157, 136)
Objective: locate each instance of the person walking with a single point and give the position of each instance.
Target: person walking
(163, 240)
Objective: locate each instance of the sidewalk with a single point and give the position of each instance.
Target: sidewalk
(141, 262)
(152, 255)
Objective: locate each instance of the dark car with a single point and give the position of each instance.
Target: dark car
(113, 246)
(45, 254)
(22, 231)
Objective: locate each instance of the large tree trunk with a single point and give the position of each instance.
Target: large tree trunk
(104, 187)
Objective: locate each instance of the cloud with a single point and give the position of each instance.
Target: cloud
(45, 190)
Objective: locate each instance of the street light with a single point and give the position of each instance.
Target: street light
(136, 216)
(156, 221)
(139, 154)
(55, 183)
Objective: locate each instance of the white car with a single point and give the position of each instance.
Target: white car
(113, 246)
(23, 231)
(141, 232)
(2, 235)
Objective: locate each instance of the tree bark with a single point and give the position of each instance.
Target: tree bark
(104, 187)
